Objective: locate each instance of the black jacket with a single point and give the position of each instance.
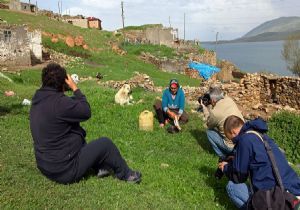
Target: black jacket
(56, 132)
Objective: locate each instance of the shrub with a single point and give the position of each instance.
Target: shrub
(284, 128)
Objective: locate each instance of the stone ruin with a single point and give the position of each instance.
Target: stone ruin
(255, 94)
(139, 80)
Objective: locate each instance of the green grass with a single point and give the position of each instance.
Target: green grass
(186, 184)
(156, 50)
(142, 27)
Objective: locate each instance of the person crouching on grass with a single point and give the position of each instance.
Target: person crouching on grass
(252, 158)
(61, 151)
(172, 105)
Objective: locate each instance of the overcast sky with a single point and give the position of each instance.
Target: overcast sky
(203, 18)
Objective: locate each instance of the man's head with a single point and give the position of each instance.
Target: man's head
(53, 75)
(232, 126)
(174, 85)
(215, 94)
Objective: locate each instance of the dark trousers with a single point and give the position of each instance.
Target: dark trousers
(162, 116)
(101, 153)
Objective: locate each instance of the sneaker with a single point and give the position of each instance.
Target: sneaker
(103, 173)
(161, 125)
(172, 129)
(134, 177)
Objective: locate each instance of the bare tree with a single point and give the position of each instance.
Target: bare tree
(291, 55)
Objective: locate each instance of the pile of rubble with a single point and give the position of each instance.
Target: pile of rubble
(115, 48)
(149, 58)
(257, 94)
(139, 80)
(57, 57)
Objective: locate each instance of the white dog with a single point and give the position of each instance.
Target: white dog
(123, 96)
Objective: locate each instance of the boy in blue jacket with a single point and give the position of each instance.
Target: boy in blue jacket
(251, 158)
(172, 104)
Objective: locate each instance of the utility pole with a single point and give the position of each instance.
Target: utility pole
(216, 42)
(122, 3)
(184, 27)
(61, 8)
(170, 21)
(36, 8)
(58, 9)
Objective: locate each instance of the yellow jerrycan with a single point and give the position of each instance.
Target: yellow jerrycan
(146, 121)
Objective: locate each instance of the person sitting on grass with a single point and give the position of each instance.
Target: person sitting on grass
(61, 151)
(172, 105)
(251, 159)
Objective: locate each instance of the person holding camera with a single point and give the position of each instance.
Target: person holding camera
(216, 108)
(172, 105)
(61, 151)
(258, 157)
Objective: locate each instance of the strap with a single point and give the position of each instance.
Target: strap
(268, 196)
(271, 157)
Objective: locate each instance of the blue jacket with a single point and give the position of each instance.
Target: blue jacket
(169, 103)
(251, 157)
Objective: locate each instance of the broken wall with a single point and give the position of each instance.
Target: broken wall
(15, 5)
(35, 44)
(14, 46)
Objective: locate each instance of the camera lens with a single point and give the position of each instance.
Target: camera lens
(219, 174)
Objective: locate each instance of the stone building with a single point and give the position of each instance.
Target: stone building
(155, 35)
(94, 23)
(21, 6)
(18, 46)
(80, 22)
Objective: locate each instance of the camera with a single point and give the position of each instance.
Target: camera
(219, 173)
(205, 99)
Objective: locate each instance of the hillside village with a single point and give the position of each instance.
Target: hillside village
(28, 40)
(84, 47)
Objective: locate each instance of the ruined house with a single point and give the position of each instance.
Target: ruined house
(155, 35)
(21, 6)
(78, 21)
(19, 46)
(94, 23)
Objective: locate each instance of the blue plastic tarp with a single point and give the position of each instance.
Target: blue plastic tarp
(206, 71)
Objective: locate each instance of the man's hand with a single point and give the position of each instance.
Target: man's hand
(71, 83)
(221, 165)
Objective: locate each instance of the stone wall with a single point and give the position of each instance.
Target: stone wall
(35, 44)
(15, 5)
(208, 57)
(14, 46)
(159, 35)
(155, 35)
(83, 23)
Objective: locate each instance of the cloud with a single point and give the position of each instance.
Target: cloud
(103, 4)
(231, 18)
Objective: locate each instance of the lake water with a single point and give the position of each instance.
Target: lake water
(253, 56)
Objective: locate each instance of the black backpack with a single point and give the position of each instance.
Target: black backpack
(276, 198)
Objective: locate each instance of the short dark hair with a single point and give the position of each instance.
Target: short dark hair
(232, 122)
(53, 75)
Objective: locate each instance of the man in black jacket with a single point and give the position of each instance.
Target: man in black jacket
(61, 151)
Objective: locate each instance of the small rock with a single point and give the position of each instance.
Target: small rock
(164, 165)
(9, 93)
